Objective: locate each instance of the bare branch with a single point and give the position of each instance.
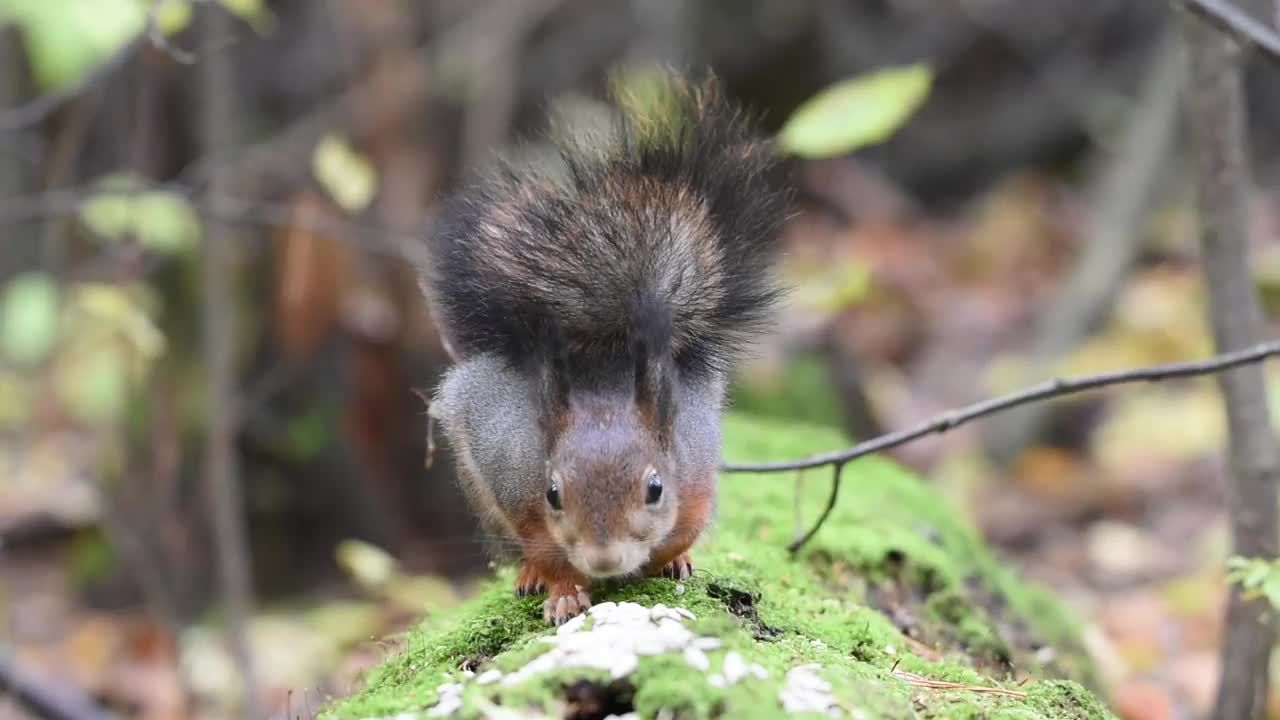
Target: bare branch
(41, 107)
(948, 420)
(1050, 389)
(1237, 23)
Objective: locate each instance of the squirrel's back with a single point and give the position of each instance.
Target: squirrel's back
(663, 233)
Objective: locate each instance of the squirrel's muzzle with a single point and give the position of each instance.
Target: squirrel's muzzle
(603, 561)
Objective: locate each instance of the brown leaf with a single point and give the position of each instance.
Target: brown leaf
(310, 277)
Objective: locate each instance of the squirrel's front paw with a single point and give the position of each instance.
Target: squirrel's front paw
(564, 602)
(681, 568)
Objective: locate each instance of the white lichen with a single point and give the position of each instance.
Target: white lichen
(804, 691)
(697, 659)
(450, 700)
(613, 637)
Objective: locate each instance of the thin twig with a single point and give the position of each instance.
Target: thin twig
(43, 697)
(39, 108)
(1238, 23)
(800, 542)
(799, 522)
(1045, 390)
(156, 34)
(369, 236)
(430, 459)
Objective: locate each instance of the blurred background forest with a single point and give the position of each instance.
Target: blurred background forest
(205, 210)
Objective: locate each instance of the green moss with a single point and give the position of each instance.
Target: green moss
(893, 582)
(803, 392)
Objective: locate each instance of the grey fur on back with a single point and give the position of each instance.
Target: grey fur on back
(488, 413)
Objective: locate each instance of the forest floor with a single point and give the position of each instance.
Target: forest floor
(1120, 511)
(1120, 506)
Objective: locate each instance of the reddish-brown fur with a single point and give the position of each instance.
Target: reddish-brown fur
(696, 502)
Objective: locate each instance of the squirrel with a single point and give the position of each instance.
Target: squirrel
(593, 318)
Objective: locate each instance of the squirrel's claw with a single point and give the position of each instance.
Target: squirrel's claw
(681, 568)
(536, 588)
(529, 582)
(565, 603)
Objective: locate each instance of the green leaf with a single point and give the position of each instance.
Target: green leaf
(646, 94)
(66, 39)
(1257, 575)
(1271, 589)
(860, 111)
(166, 222)
(29, 317)
(831, 287)
(161, 221)
(94, 385)
(347, 176)
(108, 215)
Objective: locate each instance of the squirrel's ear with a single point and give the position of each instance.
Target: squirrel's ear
(653, 393)
(554, 388)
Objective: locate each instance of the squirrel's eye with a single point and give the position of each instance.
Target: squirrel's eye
(653, 488)
(553, 496)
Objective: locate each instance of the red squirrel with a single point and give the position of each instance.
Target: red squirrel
(593, 317)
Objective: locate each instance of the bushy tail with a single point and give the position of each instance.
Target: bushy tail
(664, 233)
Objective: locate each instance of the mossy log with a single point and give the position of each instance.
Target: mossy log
(895, 610)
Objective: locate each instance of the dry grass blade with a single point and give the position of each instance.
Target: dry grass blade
(920, 681)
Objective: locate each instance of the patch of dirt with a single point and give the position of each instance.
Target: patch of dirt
(590, 700)
(743, 604)
(472, 663)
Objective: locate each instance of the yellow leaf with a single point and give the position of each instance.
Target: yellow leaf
(253, 12)
(367, 564)
(113, 309)
(94, 384)
(345, 174)
(15, 399)
(172, 16)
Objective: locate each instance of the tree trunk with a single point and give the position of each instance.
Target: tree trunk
(1217, 118)
(218, 117)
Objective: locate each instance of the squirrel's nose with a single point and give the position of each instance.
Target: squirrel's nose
(603, 560)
